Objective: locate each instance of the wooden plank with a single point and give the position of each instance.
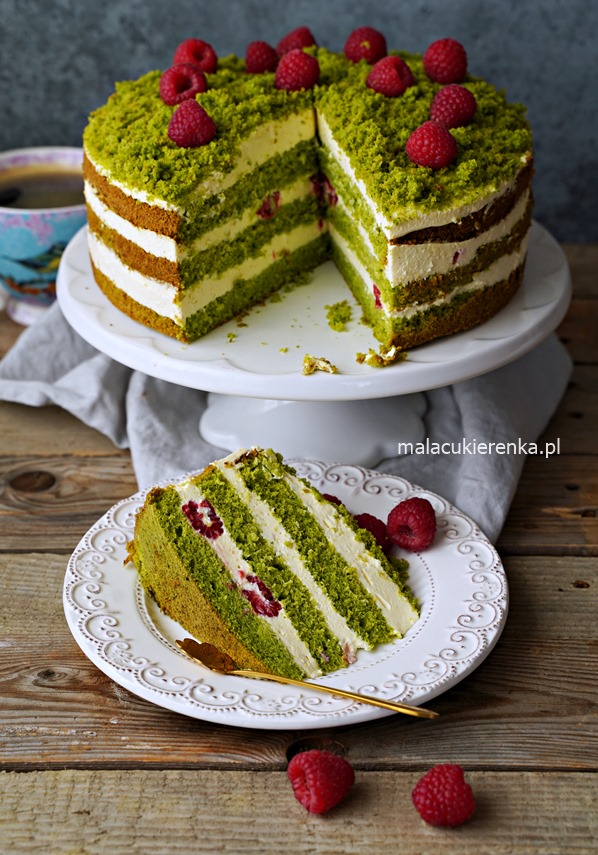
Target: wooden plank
(171, 812)
(64, 495)
(578, 330)
(583, 263)
(555, 508)
(576, 418)
(50, 431)
(58, 710)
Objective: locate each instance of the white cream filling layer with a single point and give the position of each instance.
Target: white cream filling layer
(497, 272)
(162, 297)
(165, 247)
(232, 558)
(274, 532)
(397, 610)
(408, 218)
(266, 141)
(408, 263)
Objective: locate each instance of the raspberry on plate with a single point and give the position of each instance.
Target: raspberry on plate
(445, 61)
(365, 43)
(375, 526)
(453, 106)
(197, 52)
(320, 779)
(443, 796)
(297, 70)
(412, 524)
(301, 37)
(260, 57)
(180, 82)
(390, 76)
(190, 126)
(431, 145)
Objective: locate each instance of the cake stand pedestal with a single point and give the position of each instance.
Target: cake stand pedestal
(253, 370)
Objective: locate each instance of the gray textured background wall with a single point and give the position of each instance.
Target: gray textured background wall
(60, 58)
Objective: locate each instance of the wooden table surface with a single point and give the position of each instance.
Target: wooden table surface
(89, 768)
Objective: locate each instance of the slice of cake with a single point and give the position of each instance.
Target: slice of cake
(253, 559)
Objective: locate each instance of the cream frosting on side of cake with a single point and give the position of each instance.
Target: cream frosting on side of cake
(408, 219)
(162, 246)
(232, 558)
(170, 302)
(496, 272)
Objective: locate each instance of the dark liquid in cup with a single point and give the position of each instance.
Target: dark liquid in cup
(40, 187)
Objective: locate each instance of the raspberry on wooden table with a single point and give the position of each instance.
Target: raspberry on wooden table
(365, 43)
(320, 779)
(443, 796)
(199, 53)
(297, 70)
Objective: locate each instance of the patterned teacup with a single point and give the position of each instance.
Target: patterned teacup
(41, 208)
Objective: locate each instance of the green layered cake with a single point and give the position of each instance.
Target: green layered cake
(184, 238)
(253, 559)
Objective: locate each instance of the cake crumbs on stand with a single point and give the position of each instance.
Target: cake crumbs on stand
(318, 363)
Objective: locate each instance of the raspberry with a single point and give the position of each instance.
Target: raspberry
(443, 796)
(390, 76)
(375, 527)
(262, 603)
(198, 53)
(412, 524)
(180, 82)
(453, 106)
(365, 43)
(300, 38)
(190, 126)
(334, 499)
(203, 518)
(269, 206)
(320, 779)
(260, 57)
(431, 145)
(445, 61)
(297, 70)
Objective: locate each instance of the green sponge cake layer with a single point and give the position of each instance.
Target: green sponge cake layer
(251, 558)
(183, 238)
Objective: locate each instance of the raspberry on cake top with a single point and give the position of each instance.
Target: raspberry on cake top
(412, 174)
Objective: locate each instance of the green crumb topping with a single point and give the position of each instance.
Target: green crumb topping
(284, 350)
(317, 363)
(373, 130)
(385, 356)
(231, 336)
(339, 315)
(128, 135)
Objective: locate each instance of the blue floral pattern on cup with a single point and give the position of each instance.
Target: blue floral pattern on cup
(33, 240)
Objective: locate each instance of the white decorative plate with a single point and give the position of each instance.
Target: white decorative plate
(264, 359)
(459, 582)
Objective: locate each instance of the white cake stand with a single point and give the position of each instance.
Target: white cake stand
(253, 371)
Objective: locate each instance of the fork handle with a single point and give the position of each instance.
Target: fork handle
(419, 712)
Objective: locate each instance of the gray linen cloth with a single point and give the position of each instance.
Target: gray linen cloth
(158, 421)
